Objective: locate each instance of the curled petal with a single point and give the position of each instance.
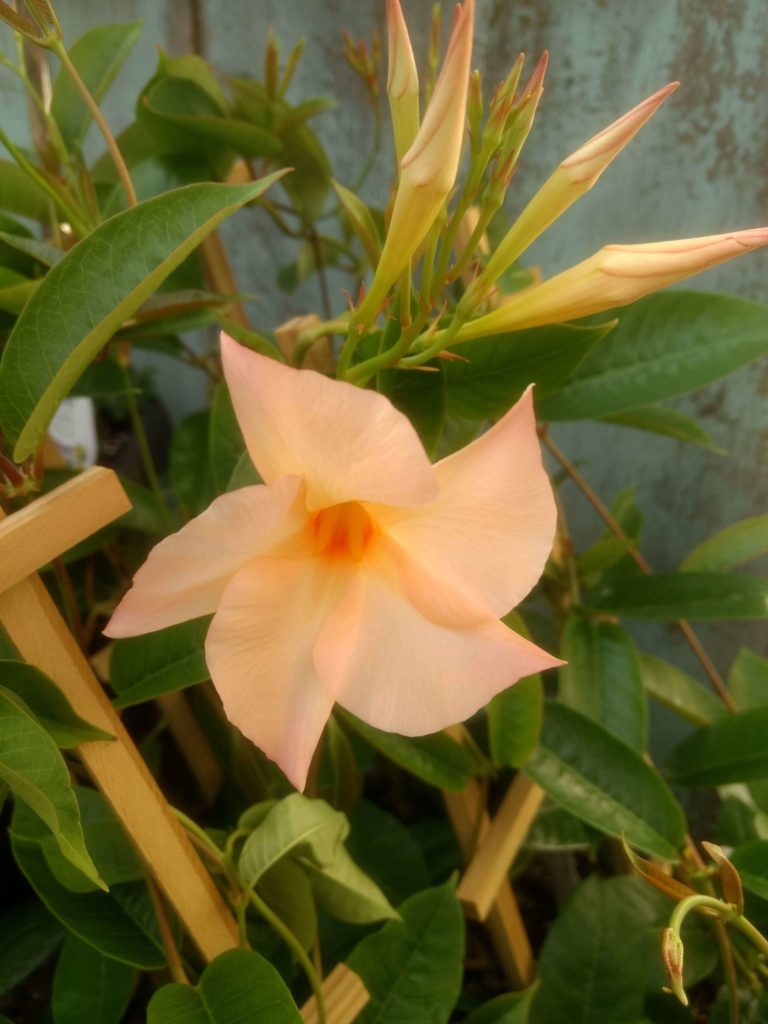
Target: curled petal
(491, 530)
(349, 444)
(397, 670)
(186, 574)
(259, 652)
(614, 276)
(575, 176)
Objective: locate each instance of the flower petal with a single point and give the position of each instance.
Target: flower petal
(186, 574)
(491, 530)
(349, 444)
(397, 670)
(259, 652)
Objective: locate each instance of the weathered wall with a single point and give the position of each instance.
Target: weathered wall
(698, 168)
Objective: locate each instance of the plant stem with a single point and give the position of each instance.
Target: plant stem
(296, 948)
(32, 172)
(117, 158)
(175, 965)
(615, 527)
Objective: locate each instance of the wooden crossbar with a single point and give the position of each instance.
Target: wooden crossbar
(344, 995)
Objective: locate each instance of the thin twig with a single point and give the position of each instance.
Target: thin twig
(175, 965)
(640, 561)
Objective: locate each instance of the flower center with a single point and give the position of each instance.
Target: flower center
(342, 530)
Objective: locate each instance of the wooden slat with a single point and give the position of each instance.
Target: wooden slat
(344, 995)
(500, 844)
(50, 525)
(470, 821)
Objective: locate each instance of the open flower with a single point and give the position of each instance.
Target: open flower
(358, 573)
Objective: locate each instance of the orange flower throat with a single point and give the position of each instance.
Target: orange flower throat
(340, 531)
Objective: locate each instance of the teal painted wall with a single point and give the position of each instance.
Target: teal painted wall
(700, 167)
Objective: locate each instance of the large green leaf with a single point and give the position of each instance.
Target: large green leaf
(412, 968)
(678, 691)
(748, 680)
(347, 892)
(385, 849)
(605, 783)
(298, 826)
(497, 370)
(238, 987)
(511, 1008)
(147, 666)
(190, 466)
(738, 543)
(514, 722)
(751, 861)
(35, 771)
(664, 345)
(90, 987)
(658, 419)
(86, 297)
(48, 704)
(684, 595)
(98, 56)
(28, 936)
(602, 680)
(436, 759)
(287, 890)
(731, 749)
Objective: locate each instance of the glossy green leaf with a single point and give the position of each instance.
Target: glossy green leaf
(435, 759)
(732, 749)
(748, 680)
(664, 345)
(514, 722)
(735, 545)
(87, 296)
(287, 890)
(225, 442)
(678, 691)
(346, 892)
(605, 783)
(511, 1008)
(684, 595)
(90, 987)
(28, 936)
(189, 463)
(412, 968)
(238, 987)
(148, 666)
(296, 825)
(497, 370)
(30, 763)
(48, 704)
(658, 419)
(751, 861)
(98, 56)
(602, 680)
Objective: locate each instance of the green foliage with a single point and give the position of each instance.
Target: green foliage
(89, 986)
(731, 749)
(148, 666)
(688, 595)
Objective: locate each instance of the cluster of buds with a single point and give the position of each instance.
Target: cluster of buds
(16, 481)
(365, 62)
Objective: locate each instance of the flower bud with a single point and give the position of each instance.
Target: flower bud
(673, 951)
(575, 176)
(319, 356)
(402, 81)
(614, 276)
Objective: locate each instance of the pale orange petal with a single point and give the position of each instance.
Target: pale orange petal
(401, 672)
(259, 652)
(491, 530)
(349, 444)
(186, 574)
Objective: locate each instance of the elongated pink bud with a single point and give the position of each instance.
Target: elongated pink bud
(614, 276)
(575, 176)
(402, 81)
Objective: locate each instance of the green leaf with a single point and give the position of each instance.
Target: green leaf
(385, 849)
(86, 297)
(190, 464)
(21, 195)
(144, 667)
(363, 222)
(225, 441)
(732, 749)
(511, 1008)
(664, 345)
(748, 680)
(421, 397)
(347, 892)
(498, 369)
(412, 968)
(736, 544)
(98, 56)
(514, 722)
(658, 419)
(602, 680)
(287, 890)
(556, 830)
(238, 987)
(309, 183)
(44, 253)
(298, 826)
(48, 704)
(685, 595)
(31, 765)
(28, 936)
(605, 783)
(435, 759)
(608, 550)
(90, 987)
(678, 691)
(751, 861)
